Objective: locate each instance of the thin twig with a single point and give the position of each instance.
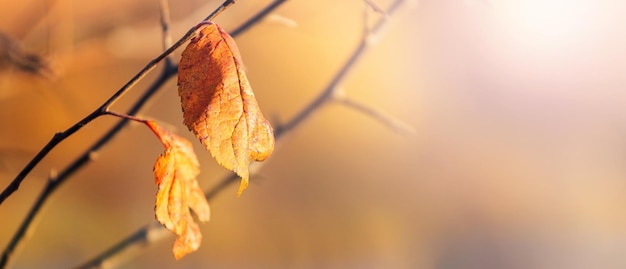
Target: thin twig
(189, 35)
(374, 6)
(54, 182)
(56, 139)
(333, 86)
(164, 9)
(60, 136)
(145, 236)
(377, 114)
(257, 17)
(153, 232)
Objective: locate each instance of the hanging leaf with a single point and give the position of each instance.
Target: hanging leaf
(175, 173)
(219, 105)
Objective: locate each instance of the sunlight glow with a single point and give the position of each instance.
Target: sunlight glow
(550, 22)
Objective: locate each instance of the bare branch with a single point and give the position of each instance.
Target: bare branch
(129, 247)
(139, 239)
(164, 12)
(54, 183)
(374, 6)
(164, 9)
(153, 232)
(376, 114)
(257, 17)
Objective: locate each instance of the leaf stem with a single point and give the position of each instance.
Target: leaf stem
(126, 116)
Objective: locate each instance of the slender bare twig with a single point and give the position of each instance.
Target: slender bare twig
(257, 17)
(375, 113)
(154, 232)
(330, 91)
(374, 6)
(164, 9)
(60, 136)
(151, 233)
(166, 39)
(54, 182)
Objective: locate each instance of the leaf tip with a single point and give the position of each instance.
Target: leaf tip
(242, 186)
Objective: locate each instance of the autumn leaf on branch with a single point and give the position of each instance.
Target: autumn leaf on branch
(175, 173)
(219, 105)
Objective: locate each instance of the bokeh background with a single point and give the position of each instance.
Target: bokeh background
(517, 160)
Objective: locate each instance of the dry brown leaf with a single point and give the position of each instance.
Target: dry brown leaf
(175, 173)
(219, 105)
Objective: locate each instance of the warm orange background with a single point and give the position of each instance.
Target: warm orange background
(517, 161)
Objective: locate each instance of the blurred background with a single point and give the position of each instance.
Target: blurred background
(517, 160)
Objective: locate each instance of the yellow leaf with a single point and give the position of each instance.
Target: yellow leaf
(175, 173)
(219, 105)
